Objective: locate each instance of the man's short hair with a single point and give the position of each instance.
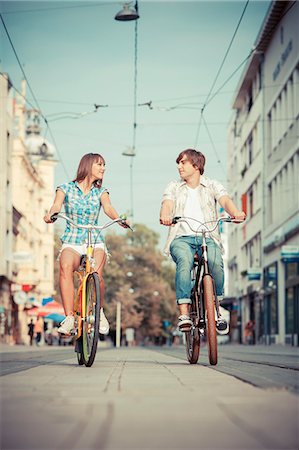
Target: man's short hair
(196, 158)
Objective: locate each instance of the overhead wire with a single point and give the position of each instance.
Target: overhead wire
(83, 5)
(226, 53)
(218, 73)
(134, 113)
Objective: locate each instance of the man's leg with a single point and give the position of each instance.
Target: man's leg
(182, 252)
(217, 270)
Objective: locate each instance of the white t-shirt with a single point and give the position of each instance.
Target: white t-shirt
(194, 211)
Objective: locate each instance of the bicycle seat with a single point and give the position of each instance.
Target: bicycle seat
(196, 257)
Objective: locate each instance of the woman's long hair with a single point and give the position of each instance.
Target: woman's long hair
(85, 166)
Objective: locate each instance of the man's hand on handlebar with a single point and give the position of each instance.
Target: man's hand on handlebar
(239, 217)
(166, 220)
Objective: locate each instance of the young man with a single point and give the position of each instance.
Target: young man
(194, 196)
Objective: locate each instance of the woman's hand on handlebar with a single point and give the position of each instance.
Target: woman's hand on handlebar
(48, 218)
(124, 223)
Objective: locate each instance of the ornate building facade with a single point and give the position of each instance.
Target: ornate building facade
(263, 166)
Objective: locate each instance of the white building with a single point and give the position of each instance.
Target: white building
(32, 191)
(6, 216)
(26, 241)
(263, 168)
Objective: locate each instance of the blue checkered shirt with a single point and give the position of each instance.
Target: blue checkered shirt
(83, 210)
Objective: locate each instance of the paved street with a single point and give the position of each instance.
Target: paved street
(138, 398)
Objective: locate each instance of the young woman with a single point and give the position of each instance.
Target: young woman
(82, 200)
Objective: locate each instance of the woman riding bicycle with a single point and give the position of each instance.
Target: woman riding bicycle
(82, 199)
(194, 196)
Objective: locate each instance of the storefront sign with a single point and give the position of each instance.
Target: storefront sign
(254, 273)
(284, 56)
(290, 253)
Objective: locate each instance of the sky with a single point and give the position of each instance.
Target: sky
(74, 55)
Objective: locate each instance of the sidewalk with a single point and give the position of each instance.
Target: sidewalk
(238, 348)
(138, 398)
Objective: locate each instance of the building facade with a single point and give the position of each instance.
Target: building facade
(6, 216)
(27, 241)
(263, 157)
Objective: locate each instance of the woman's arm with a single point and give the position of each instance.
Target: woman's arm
(108, 208)
(56, 207)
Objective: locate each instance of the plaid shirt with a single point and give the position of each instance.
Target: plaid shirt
(83, 210)
(209, 193)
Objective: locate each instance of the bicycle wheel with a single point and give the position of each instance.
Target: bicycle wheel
(211, 333)
(192, 344)
(79, 351)
(90, 329)
(193, 337)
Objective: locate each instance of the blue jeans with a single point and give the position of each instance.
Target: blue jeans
(182, 250)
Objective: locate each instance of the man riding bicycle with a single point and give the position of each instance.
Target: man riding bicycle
(194, 196)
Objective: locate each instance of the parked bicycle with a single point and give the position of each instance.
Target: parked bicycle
(204, 308)
(87, 302)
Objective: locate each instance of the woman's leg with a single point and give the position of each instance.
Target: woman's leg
(100, 257)
(69, 262)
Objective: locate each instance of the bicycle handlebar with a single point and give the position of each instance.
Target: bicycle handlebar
(121, 220)
(177, 219)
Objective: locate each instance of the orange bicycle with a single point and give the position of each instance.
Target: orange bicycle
(87, 302)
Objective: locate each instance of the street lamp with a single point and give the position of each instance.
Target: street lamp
(127, 13)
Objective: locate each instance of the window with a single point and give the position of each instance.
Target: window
(281, 35)
(249, 101)
(244, 203)
(46, 266)
(250, 155)
(250, 196)
(271, 302)
(290, 318)
(270, 205)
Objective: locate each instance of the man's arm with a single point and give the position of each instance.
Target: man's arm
(229, 206)
(166, 212)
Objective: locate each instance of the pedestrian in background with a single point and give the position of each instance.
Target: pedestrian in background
(38, 329)
(31, 331)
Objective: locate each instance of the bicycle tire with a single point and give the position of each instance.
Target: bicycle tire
(90, 328)
(211, 333)
(193, 337)
(79, 351)
(192, 345)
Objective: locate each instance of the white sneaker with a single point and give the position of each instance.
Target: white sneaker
(104, 324)
(67, 325)
(185, 323)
